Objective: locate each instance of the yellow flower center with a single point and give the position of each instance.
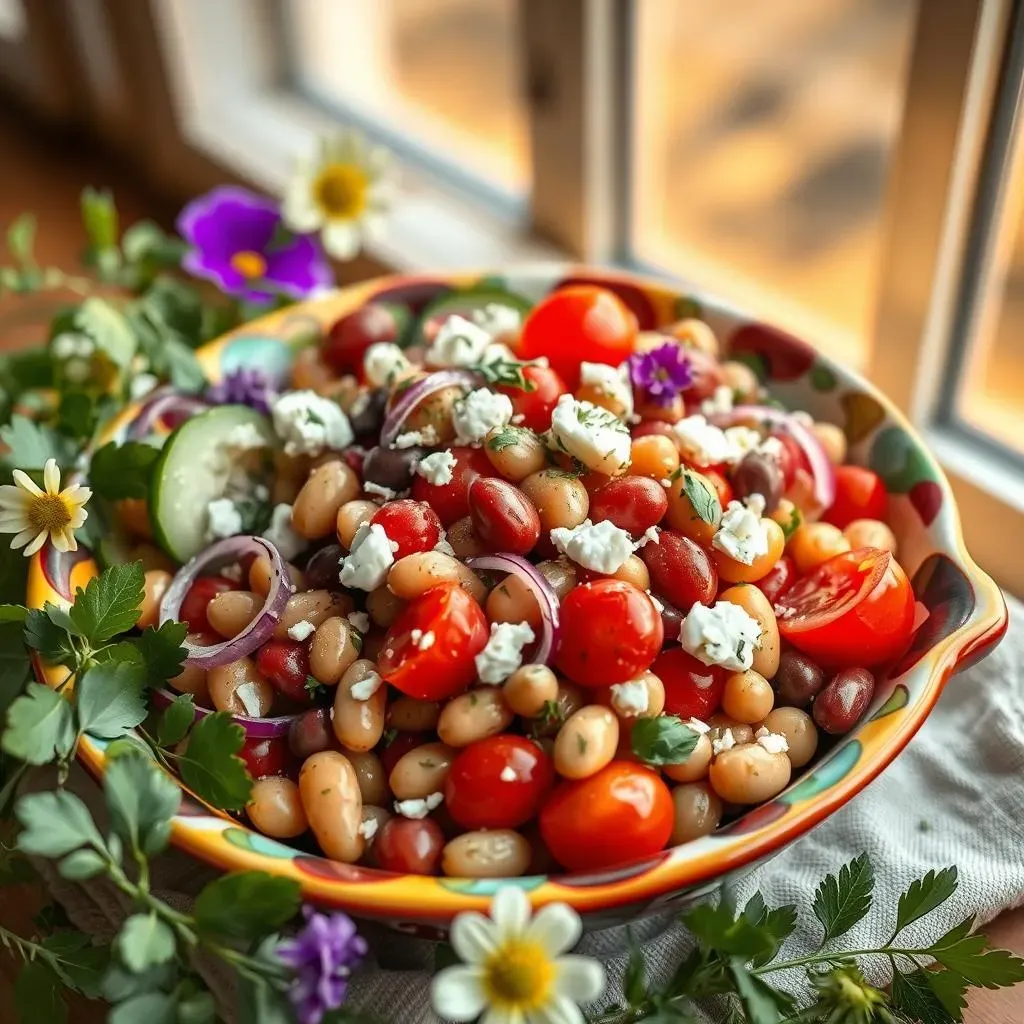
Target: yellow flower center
(48, 512)
(249, 264)
(341, 191)
(518, 976)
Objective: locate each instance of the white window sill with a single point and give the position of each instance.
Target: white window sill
(963, 458)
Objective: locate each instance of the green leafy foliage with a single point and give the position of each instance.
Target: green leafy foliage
(839, 903)
(123, 470)
(506, 373)
(211, 767)
(151, 1007)
(923, 896)
(109, 699)
(31, 444)
(176, 720)
(507, 437)
(110, 603)
(162, 652)
(968, 955)
(663, 740)
(37, 995)
(99, 218)
(20, 240)
(40, 726)
(703, 497)
(54, 824)
(46, 632)
(144, 941)
(914, 997)
(109, 330)
(246, 904)
(141, 799)
(77, 415)
(779, 923)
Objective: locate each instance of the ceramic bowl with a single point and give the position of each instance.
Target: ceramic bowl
(966, 618)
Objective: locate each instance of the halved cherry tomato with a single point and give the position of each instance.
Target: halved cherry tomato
(286, 664)
(445, 666)
(855, 609)
(721, 485)
(581, 323)
(860, 494)
(499, 782)
(535, 406)
(451, 500)
(780, 578)
(610, 632)
(412, 525)
(623, 813)
(347, 340)
(692, 689)
(200, 594)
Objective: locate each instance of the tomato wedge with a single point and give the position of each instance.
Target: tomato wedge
(855, 609)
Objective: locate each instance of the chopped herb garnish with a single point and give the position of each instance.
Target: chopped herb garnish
(581, 744)
(507, 373)
(507, 437)
(389, 737)
(663, 740)
(702, 497)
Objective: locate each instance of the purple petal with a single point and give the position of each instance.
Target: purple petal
(299, 268)
(229, 219)
(216, 269)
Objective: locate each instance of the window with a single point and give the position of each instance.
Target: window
(12, 19)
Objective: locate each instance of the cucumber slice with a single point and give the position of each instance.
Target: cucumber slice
(193, 470)
(465, 304)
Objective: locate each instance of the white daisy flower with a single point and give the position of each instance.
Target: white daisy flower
(34, 515)
(514, 972)
(344, 194)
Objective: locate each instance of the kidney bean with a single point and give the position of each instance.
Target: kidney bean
(286, 664)
(671, 619)
(391, 750)
(265, 757)
(311, 732)
(383, 607)
(680, 569)
(843, 700)
(797, 680)
(632, 503)
(464, 540)
(323, 568)
(335, 645)
(406, 714)
(758, 474)
(503, 517)
(373, 781)
(330, 796)
(391, 467)
(409, 846)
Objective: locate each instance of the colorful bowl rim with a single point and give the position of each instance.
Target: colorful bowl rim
(228, 844)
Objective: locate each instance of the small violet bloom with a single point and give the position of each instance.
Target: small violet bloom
(661, 374)
(244, 386)
(323, 956)
(240, 243)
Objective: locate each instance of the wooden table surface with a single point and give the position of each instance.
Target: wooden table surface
(46, 177)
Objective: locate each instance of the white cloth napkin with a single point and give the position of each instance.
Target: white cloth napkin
(955, 796)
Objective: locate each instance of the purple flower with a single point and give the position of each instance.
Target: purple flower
(240, 243)
(243, 386)
(662, 374)
(323, 956)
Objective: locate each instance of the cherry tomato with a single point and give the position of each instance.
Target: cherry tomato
(286, 664)
(445, 667)
(266, 757)
(200, 594)
(855, 609)
(652, 427)
(311, 732)
(680, 569)
(451, 500)
(692, 689)
(707, 375)
(499, 782)
(503, 517)
(581, 323)
(632, 503)
(535, 406)
(721, 485)
(348, 338)
(623, 813)
(412, 525)
(610, 632)
(779, 579)
(409, 846)
(860, 494)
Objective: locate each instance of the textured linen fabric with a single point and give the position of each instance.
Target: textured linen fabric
(954, 796)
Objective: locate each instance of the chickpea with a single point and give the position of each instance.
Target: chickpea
(684, 517)
(421, 771)
(529, 688)
(748, 774)
(670, 412)
(559, 498)
(474, 716)
(787, 515)
(741, 379)
(330, 796)
(275, 808)
(414, 574)
(695, 767)
(436, 411)
(833, 440)
(133, 514)
(513, 601)
(231, 611)
(653, 455)
(359, 723)
(758, 607)
(629, 702)
(333, 648)
(814, 543)
(290, 472)
(586, 742)
(156, 583)
(515, 452)
(309, 370)
(261, 576)
(463, 539)
(747, 697)
(798, 728)
(383, 606)
(410, 715)
(634, 570)
(561, 574)
(720, 722)
(865, 533)
(239, 687)
(600, 396)
(733, 571)
(316, 507)
(192, 679)
(495, 853)
(698, 810)
(353, 514)
(693, 333)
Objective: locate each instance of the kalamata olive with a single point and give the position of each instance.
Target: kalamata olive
(632, 503)
(758, 474)
(843, 700)
(391, 467)
(671, 619)
(410, 846)
(680, 569)
(311, 732)
(323, 568)
(503, 517)
(797, 680)
(367, 414)
(349, 338)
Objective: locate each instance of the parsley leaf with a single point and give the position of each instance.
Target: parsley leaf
(703, 497)
(110, 603)
(663, 740)
(37, 994)
(923, 896)
(717, 928)
(142, 799)
(12, 613)
(915, 999)
(175, 722)
(506, 373)
(968, 955)
(162, 651)
(40, 726)
(211, 767)
(108, 328)
(49, 638)
(54, 824)
(109, 699)
(840, 903)
(31, 444)
(122, 470)
(779, 922)
(246, 904)
(144, 941)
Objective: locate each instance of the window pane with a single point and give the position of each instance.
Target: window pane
(441, 74)
(12, 19)
(762, 138)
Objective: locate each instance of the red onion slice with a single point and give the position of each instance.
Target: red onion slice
(822, 471)
(160, 405)
(416, 393)
(261, 627)
(255, 728)
(541, 589)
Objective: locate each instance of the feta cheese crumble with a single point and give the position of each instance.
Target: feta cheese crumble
(458, 342)
(223, 519)
(360, 620)
(741, 533)
(369, 487)
(630, 699)
(703, 443)
(504, 651)
(301, 630)
(382, 362)
(366, 566)
(366, 688)
(419, 808)
(497, 319)
(141, 385)
(476, 415)
(508, 774)
(611, 381)
(650, 536)
(773, 742)
(308, 423)
(724, 742)
(591, 434)
(723, 635)
(368, 829)
(601, 546)
(425, 437)
(699, 727)
(659, 607)
(437, 468)
(245, 437)
(445, 548)
(289, 544)
(721, 401)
